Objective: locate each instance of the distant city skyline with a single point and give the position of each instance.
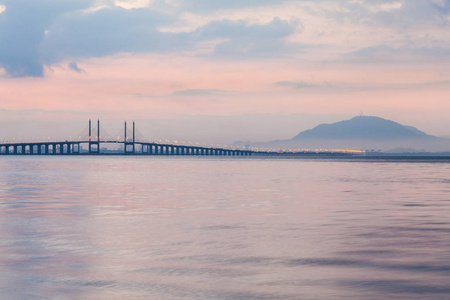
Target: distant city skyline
(221, 71)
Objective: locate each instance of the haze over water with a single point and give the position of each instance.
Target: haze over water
(223, 228)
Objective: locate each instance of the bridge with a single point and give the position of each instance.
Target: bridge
(127, 146)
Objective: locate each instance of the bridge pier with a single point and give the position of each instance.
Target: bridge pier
(93, 150)
(126, 148)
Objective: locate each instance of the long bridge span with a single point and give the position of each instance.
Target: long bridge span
(129, 146)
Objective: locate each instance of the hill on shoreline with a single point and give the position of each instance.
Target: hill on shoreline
(360, 133)
(363, 127)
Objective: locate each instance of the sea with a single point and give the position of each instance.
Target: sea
(158, 227)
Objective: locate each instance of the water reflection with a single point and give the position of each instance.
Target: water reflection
(196, 228)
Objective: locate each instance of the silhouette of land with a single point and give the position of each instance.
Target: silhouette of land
(369, 133)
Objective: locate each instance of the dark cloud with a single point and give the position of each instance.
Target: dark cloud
(105, 32)
(22, 29)
(74, 66)
(114, 30)
(35, 33)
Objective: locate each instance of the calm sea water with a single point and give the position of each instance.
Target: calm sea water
(223, 228)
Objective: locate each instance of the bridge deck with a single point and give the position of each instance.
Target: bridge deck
(146, 148)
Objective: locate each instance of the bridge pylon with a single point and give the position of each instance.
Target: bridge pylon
(127, 143)
(96, 143)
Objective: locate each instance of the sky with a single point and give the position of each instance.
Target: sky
(221, 71)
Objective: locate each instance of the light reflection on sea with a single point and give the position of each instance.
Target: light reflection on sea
(223, 228)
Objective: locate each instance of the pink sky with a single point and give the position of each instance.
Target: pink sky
(233, 72)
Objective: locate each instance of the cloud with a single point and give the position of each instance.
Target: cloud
(43, 32)
(198, 92)
(404, 14)
(114, 30)
(107, 31)
(35, 33)
(356, 87)
(243, 40)
(399, 54)
(203, 6)
(22, 29)
(74, 66)
(298, 84)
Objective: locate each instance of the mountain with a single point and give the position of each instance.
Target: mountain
(364, 128)
(359, 133)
